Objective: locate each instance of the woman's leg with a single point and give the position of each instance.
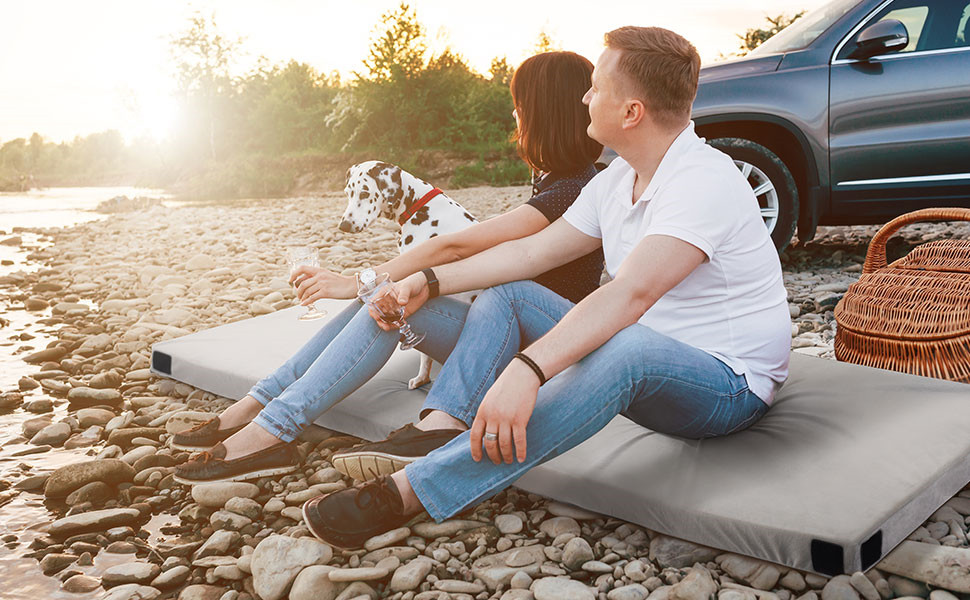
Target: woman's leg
(351, 358)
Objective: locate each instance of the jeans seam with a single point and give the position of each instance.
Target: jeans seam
(418, 486)
(466, 409)
(342, 377)
(260, 396)
(444, 314)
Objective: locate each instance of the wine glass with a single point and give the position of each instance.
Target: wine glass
(377, 291)
(298, 256)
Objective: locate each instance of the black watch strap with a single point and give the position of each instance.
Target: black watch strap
(432, 283)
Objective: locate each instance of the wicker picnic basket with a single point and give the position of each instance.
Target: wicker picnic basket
(914, 314)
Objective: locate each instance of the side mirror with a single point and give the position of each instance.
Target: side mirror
(882, 37)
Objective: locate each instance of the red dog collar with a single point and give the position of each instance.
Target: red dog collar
(418, 206)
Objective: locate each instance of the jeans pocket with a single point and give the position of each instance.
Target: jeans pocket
(752, 418)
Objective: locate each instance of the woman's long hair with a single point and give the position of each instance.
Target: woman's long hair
(547, 90)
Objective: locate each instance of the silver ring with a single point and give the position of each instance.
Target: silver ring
(492, 437)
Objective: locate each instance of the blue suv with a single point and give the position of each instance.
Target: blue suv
(856, 113)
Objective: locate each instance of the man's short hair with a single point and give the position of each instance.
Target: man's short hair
(662, 67)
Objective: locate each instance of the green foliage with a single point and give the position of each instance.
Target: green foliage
(268, 130)
(492, 169)
(754, 37)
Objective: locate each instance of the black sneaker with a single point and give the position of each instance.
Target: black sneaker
(402, 447)
(203, 436)
(348, 518)
(211, 466)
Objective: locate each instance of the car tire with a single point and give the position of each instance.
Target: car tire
(778, 195)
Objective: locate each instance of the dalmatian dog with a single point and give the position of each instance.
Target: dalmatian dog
(378, 189)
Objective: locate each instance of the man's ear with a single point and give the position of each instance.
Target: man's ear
(635, 113)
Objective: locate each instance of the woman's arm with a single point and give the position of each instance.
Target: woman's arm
(515, 224)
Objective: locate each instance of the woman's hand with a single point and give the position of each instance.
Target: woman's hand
(315, 283)
(412, 293)
(505, 411)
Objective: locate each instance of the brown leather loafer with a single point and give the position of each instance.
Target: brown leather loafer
(348, 518)
(203, 436)
(212, 466)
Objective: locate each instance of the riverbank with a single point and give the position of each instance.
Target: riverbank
(100, 293)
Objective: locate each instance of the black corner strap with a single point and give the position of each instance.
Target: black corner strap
(872, 550)
(162, 362)
(827, 558)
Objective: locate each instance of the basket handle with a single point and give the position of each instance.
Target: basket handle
(876, 256)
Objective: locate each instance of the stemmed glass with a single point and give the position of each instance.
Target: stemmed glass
(377, 291)
(299, 256)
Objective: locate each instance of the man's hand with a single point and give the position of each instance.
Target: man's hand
(315, 283)
(505, 411)
(412, 293)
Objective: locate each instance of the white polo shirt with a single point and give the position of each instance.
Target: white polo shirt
(734, 305)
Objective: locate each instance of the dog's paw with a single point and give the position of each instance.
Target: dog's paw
(417, 382)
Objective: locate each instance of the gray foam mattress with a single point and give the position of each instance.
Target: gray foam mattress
(848, 461)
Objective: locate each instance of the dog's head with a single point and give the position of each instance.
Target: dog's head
(373, 188)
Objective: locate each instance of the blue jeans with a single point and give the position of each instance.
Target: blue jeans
(342, 356)
(656, 381)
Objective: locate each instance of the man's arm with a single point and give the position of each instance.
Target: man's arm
(657, 264)
(553, 246)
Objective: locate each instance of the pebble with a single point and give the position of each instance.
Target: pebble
(215, 495)
(390, 538)
(132, 591)
(172, 578)
(669, 551)
(68, 478)
(358, 574)
(456, 586)
(79, 584)
(92, 521)
(634, 591)
(409, 576)
(839, 588)
(508, 524)
(313, 583)
(430, 530)
(558, 588)
(278, 559)
(201, 592)
(576, 552)
(52, 435)
(756, 573)
(557, 526)
(134, 572)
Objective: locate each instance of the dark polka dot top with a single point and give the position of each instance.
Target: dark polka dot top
(552, 195)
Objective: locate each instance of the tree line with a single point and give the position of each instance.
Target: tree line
(280, 126)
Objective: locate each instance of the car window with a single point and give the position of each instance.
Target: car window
(805, 30)
(963, 29)
(930, 24)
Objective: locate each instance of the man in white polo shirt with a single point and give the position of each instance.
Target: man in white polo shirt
(690, 338)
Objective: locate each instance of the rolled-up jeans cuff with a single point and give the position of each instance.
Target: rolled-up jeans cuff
(414, 478)
(260, 396)
(432, 403)
(281, 432)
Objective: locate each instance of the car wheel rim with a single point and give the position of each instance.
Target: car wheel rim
(764, 190)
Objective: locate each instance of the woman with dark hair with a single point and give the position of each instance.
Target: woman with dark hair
(253, 437)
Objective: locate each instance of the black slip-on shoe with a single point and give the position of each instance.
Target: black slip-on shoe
(203, 436)
(403, 446)
(348, 518)
(211, 466)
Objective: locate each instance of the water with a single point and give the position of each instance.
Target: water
(26, 513)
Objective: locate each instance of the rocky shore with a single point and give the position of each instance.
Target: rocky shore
(112, 288)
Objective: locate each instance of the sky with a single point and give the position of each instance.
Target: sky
(71, 68)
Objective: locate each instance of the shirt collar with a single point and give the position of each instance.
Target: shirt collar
(681, 144)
